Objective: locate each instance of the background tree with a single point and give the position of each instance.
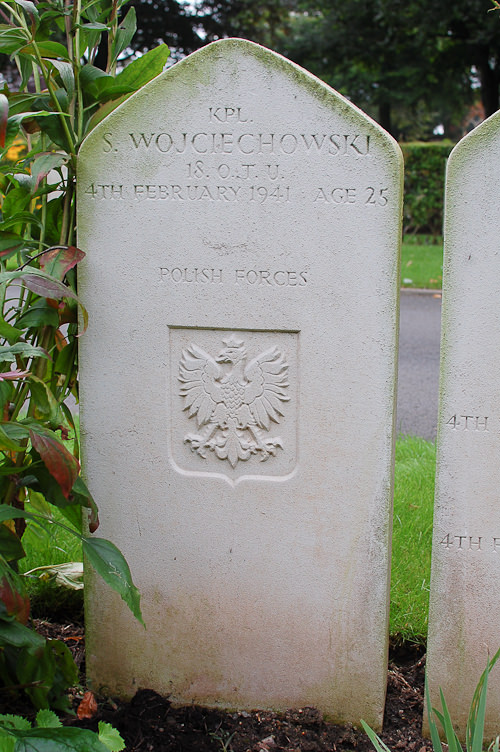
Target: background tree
(412, 65)
(185, 28)
(386, 57)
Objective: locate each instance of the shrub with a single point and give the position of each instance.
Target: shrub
(425, 166)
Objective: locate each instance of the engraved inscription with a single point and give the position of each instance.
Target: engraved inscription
(233, 402)
(338, 195)
(231, 161)
(471, 543)
(466, 542)
(203, 142)
(468, 423)
(226, 115)
(241, 277)
(175, 192)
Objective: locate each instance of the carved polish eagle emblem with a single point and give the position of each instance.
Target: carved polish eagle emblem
(233, 401)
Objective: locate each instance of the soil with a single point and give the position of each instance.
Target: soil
(148, 723)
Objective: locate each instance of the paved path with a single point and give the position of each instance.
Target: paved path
(420, 324)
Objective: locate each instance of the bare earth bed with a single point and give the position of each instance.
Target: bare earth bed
(148, 723)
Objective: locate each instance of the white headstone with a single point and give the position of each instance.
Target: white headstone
(465, 583)
(242, 223)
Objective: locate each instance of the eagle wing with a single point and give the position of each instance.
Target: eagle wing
(267, 375)
(198, 374)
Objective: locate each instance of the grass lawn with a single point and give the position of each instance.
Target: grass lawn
(422, 262)
(411, 552)
(412, 538)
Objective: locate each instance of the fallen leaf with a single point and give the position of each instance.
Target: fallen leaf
(88, 706)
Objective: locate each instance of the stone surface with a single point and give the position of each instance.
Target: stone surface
(463, 623)
(242, 223)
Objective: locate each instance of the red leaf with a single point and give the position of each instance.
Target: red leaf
(4, 114)
(46, 288)
(16, 604)
(59, 462)
(59, 261)
(88, 706)
(52, 289)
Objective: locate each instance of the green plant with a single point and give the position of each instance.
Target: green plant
(415, 468)
(61, 96)
(18, 735)
(224, 738)
(474, 735)
(425, 166)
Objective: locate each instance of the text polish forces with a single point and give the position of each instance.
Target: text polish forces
(253, 277)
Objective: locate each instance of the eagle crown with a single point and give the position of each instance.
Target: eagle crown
(233, 353)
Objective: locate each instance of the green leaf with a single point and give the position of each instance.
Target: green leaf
(6, 394)
(110, 737)
(10, 513)
(104, 111)
(16, 200)
(46, 404)
(124, 33)
(7, 443)
(89, 74)
(445, 718)
(14, 430)
(60, 463)
(52, 127)
(44, 163)
(10, 546)
(24, 217)
(475, 722)
(110, 564)
(65, 358)
(25, 67)
(47, 49)
(47, 719)
(66, 667)
(8, 742)
(65, 70)
(73, 514)
(40, 313)
(66, 739)
(377, 742)
(12, 39)
(14, 721)
(21, 101)
(8, 352)
(10, 243)
(17, 635)
(31, 9)
(37, 671)
(143, 69)
(108, 88)
(8, 332)
(15, 121)
(82, 495)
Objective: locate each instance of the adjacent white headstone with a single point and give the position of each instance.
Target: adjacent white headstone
(465, 584)
(242, 224)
